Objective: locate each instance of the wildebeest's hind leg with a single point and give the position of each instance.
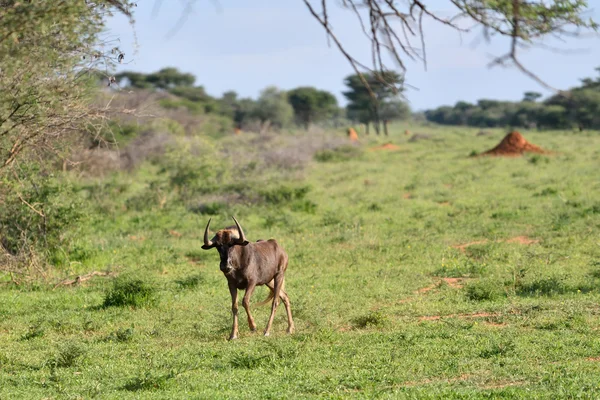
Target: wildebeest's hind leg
(277, 281)
(234, 311)
(286, 303)
(246, 304)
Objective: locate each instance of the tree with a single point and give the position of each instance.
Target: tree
(272, 108)
(364, 100)
(49, 53)
(166, 78)
(531, 96)
(393, 110)
(311, 104)
(398, 28)
(170, 77)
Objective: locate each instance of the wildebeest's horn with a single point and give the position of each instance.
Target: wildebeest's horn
(207, 243)
(242, 237)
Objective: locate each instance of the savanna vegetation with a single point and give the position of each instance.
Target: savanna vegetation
(418, 269)
(579, 107)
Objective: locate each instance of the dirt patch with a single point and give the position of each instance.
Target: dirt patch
(386, 146)
(407, 196)
(463, 316)
(485, 133)
(514, 144)
(456, 283)
(463, 246)
(524, 240)
(593, 359)
(135, 238)
(444, 203)
(503, 384)
(173, 232)
(461, 378)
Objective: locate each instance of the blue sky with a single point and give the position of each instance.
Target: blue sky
(245, 45)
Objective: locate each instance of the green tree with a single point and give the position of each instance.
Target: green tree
(166, 78)
(531, 96)
(364, 101)
(273, 109)
(48, 51)
(311, 105)
(393, 110)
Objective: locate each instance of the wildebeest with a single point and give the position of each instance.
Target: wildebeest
(247, 265)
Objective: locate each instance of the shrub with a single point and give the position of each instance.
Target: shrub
(342, 153)
(67, 355)
(133, 292)
(373, 318)
(483, 290)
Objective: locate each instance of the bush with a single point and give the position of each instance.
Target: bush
(373, 318)
(342, 153)
(133, 292)
(485, 290)
(285, 194)
(39, 211)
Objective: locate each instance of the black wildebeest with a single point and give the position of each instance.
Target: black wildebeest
(247, 265)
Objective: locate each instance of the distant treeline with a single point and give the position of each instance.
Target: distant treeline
(275, 108)
(579, 108)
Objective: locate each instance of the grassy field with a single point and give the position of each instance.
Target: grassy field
(418, 272)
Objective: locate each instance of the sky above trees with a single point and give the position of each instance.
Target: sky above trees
(246, 46)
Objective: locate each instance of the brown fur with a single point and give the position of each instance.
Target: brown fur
(247, 265)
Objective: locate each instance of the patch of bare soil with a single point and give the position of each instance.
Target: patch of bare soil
(463, 246)
(134, 238)
(461, 378)
(503, 384)
(593, 359)
(464, 316)
(386, 146)
(407, 196)
(524, 240)
(514, 144)
(444, 203)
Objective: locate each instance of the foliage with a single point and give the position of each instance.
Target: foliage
(580, 107)
(272, 107)
(365, 103)
(166, 78)
(47, 49)
(130, 292)
(39, 210)
(311, 105)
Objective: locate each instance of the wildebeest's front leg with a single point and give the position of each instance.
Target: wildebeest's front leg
(246, 304)
(276, 289)
(234, 310)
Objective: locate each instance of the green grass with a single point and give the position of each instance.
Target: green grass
(365, 231)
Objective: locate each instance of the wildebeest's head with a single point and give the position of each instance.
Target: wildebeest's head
(223, 241)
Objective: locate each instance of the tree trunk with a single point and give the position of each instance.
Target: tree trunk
(377, 127)
(366, 128)
(385, 127)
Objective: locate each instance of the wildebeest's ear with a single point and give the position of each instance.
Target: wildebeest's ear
(245, 242)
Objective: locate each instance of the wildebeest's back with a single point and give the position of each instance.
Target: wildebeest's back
(267, 258)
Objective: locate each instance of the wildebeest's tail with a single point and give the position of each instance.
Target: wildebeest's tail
(271, 294)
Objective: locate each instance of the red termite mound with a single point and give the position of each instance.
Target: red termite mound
(514, 144)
